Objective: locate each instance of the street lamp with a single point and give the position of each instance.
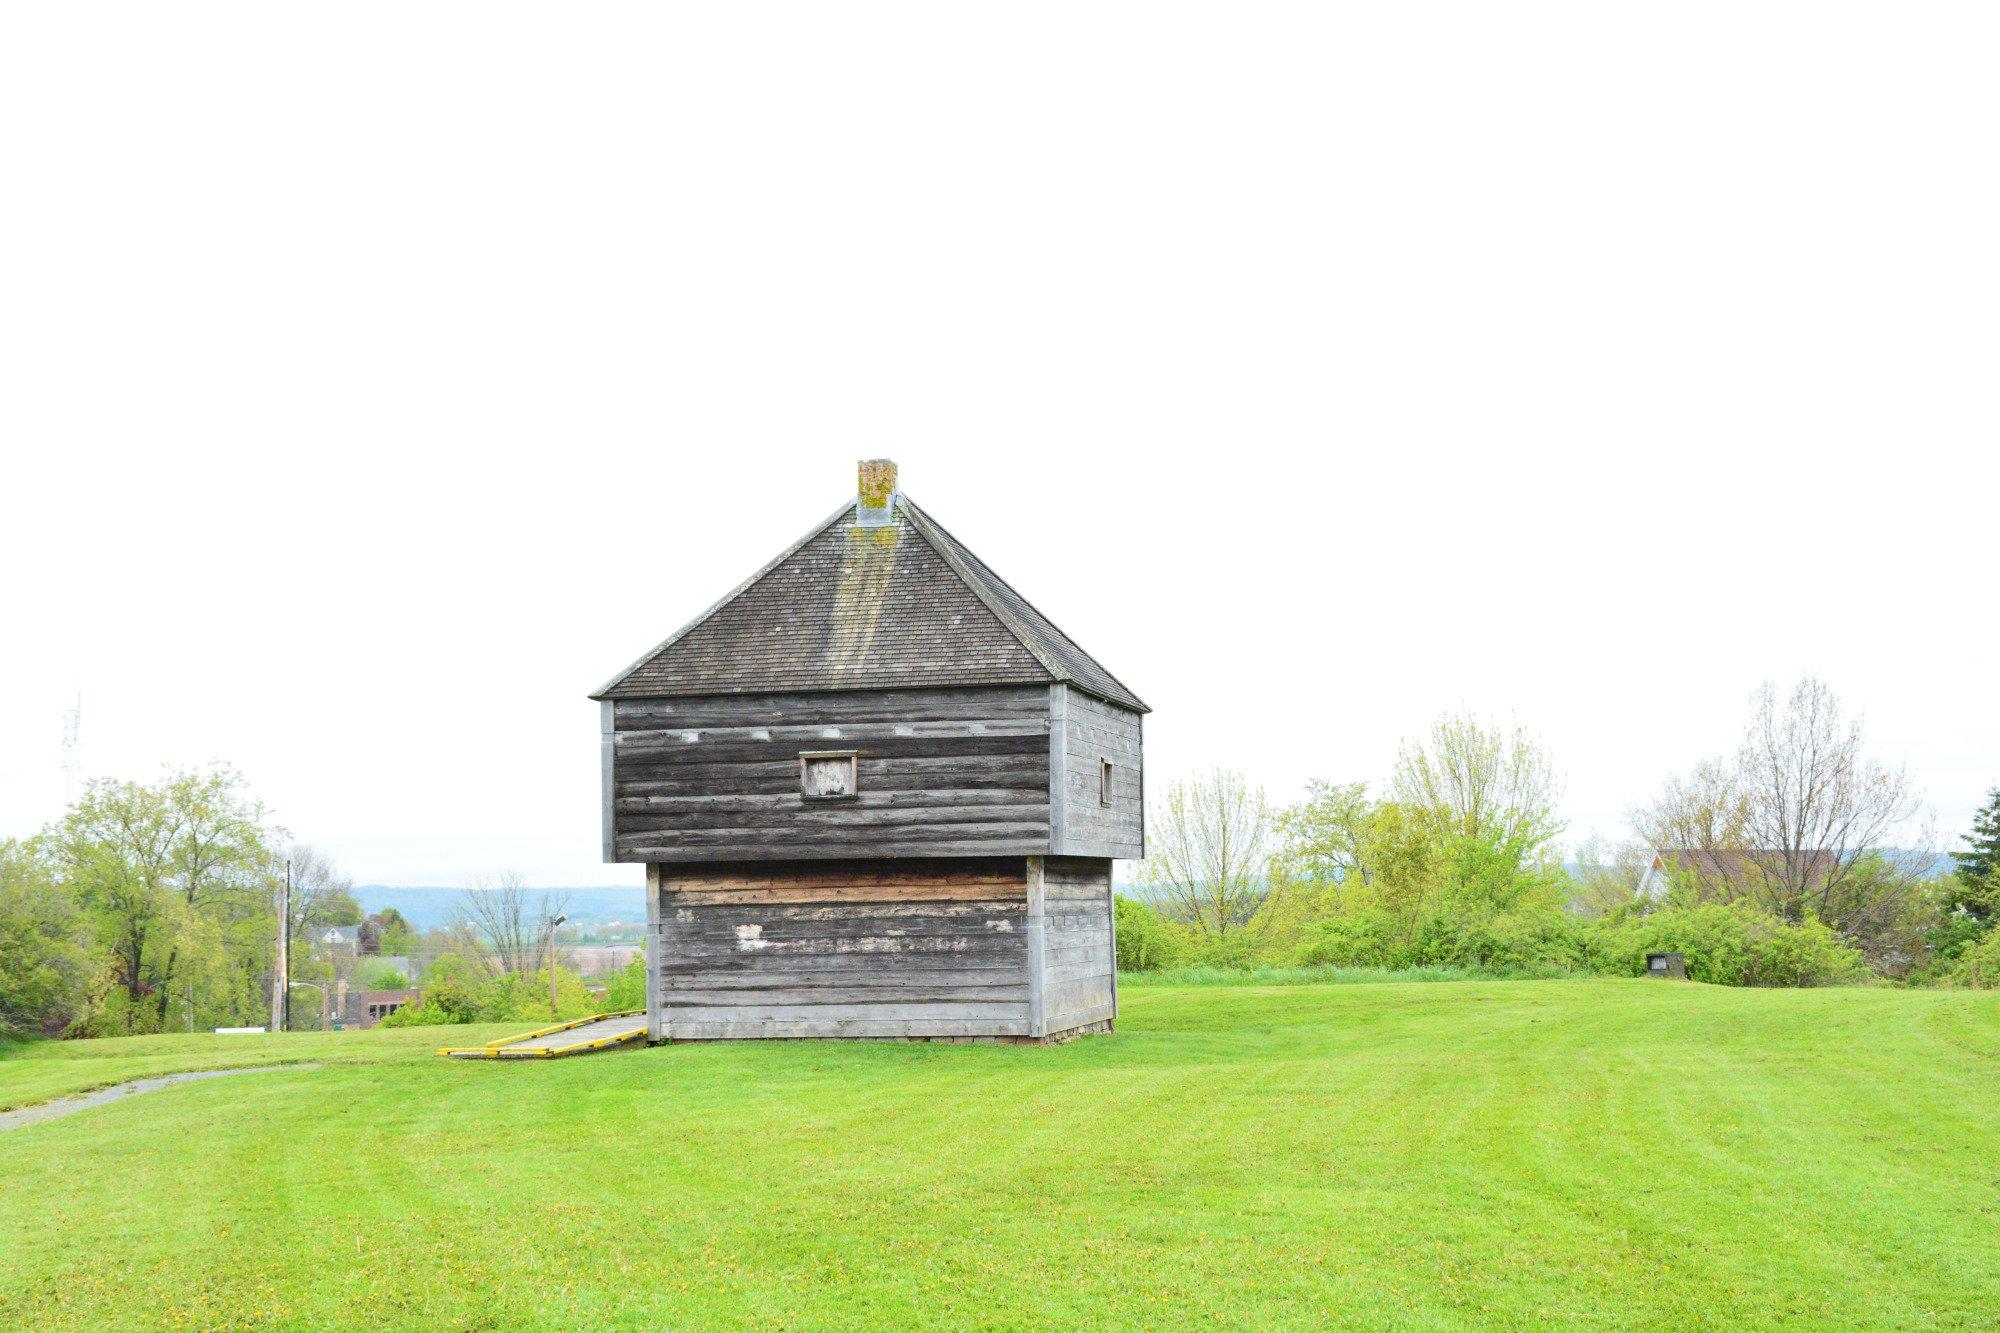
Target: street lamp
(324, 1000)
(549, 956)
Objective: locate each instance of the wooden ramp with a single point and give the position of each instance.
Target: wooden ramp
(599, 1032)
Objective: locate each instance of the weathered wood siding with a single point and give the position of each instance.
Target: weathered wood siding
(1079, 967)
(1086, 732)
(906, 948)
(959, 772)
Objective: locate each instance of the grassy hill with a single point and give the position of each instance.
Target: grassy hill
(1588, 1152)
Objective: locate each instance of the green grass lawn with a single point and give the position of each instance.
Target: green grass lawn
(1411, 1155)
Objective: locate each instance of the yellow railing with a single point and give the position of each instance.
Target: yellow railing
(495, 1050)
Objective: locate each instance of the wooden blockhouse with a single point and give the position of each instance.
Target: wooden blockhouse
(877, 794)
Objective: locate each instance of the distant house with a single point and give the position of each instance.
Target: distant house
(366, 1008)
(338, 939)
(1727, 874)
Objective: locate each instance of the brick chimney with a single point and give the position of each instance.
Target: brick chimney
(875, 506)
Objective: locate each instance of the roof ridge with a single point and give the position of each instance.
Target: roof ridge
(924, 523)
(949, 548)
(728, 597)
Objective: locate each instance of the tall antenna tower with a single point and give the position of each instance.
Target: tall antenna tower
(72, 751)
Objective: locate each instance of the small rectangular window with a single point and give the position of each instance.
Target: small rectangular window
(827, 775)
(1104, 782)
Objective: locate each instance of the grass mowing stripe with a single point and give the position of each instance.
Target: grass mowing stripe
(1588, 1153)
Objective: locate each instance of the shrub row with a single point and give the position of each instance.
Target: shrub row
(1733, 945)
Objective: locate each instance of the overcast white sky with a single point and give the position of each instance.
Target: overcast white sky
(376, 380)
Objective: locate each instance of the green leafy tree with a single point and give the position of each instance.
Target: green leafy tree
(221, 867)
(374, 975)
(625, 989)
(1980, 860)
(524, 997)
(451, 995)
(399, 939)
(1456, 867)
(1327, 838)
(1484, 800)
(1968, 902)
(1147, 941)
(1960, 915)
(175, 881)
(114, 848)
(1979, 964)
(44, 967)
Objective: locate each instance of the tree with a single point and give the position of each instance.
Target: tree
(373, 974)
(175, 880)
(44, 967)
(1967, 904)
(397, 937)
(321, 894)
(625, 989)
(1816, 806)
(221, 865)
(1705, 811)
(500, 921)
(1485, 799)
(1206, 860)
(1606, 880)
(114, 850)
(1147, 941)
(1796, 822)
(1478, 781)
(1325, 857)
(1981, 859)
(1325, 839)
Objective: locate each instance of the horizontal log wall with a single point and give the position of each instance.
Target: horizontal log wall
(1092, 731)
(904, 948)
(961, 772)
(1078, 961)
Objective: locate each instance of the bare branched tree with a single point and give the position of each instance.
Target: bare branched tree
(317, 886)
(504, 925)
(1815, 805)
(1206, 858)
(1797, 820)
(1704, 811)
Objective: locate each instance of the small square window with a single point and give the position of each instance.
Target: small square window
(827, 775)
(1104, 782)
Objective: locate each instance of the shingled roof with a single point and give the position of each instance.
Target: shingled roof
(853, 606)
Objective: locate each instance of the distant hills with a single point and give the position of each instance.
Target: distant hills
(428, 907)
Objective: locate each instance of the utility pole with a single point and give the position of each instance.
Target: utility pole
(72, 750)
(281, 978)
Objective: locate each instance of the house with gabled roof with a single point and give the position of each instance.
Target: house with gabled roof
(1724, 874)
(878, 794)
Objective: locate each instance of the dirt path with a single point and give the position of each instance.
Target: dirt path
(83, 1101)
